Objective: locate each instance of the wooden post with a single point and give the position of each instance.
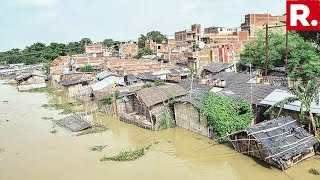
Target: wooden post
(267, 49)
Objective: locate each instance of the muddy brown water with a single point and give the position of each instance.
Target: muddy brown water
(30, 152)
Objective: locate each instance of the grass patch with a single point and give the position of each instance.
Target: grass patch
(48, 90)
(129, 155)
(66, 108)
(314, 171)
(93, 130)
(97, 148)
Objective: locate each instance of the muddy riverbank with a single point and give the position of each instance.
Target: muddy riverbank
(29, 151)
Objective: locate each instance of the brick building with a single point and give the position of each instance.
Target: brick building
(128, 50)
(255, 22)
(158, 48)
(134, 66)
(218, 53)
(226, 44)
(95, 49)
(189, 36)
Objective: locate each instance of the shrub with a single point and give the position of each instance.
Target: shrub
(93, 130)
(107, 100)
(66, 107)
(167, 120)
(314, 171)
(86, 68)
(129, 155)
(148, 85)
(226, 115)
(159, 83)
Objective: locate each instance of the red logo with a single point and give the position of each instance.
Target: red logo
(303, 15)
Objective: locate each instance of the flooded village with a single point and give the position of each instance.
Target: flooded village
(192, 108)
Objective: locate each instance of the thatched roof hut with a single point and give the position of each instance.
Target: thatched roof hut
(155, 95)
(281, 142)
(216, 67)
(149, 104)
(74, 123)
(187, 114)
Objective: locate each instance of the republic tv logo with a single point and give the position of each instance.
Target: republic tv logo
(303, 15)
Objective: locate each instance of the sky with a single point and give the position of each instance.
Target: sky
(24, 22)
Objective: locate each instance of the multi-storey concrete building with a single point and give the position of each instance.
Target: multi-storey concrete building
(256, 22)
(189, 36)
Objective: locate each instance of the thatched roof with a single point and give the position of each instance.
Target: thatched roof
(243, 91)
(281, 139)
(197, 93)
(147, 76)
(74, 123)
(155, 95)
(233, 78)
(216, 67)
(27, 75)
(71, 82)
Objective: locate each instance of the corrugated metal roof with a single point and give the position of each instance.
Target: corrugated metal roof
(107, 82)
(279, 95)
(105, 74)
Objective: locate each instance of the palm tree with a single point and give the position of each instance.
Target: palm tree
(306, 94)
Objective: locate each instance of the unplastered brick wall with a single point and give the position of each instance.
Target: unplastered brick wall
(133, 66)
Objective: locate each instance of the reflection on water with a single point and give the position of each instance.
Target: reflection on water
(30, 151)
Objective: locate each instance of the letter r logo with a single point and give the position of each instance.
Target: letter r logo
(303, 15)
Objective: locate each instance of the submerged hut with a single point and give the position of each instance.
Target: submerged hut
(281, 142)
(149, 104)
(74, 123)
(75, 84)
(187, 111)
(29, 81)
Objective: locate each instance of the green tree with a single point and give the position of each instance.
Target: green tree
(156, 36)
(313, 36)
(226, 115)
(303, 55)
(108, 42)
(255, 51)
(195, 47)
(142, 41)
(85, 41)
(306, 94)
(144, 51)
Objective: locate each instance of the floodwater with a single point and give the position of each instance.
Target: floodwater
(29, 151)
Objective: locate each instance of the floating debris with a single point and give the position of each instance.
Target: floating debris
(48, 90)
(314, 171)
(1, 150)
(97, 148)
(47, 118)
(5, 101)
(129, 155)
(94, 129)
(53, 131)
(156, 142)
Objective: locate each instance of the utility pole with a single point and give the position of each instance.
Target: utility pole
(267, 49)
(286, 63)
